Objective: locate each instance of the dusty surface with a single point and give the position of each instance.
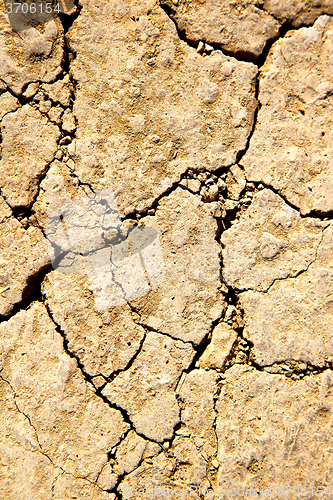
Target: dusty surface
(166, 265)
(291, 147)
(241, 28)
(268, 440)
(159, 108)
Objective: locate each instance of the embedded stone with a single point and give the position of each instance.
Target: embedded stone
(217, 352)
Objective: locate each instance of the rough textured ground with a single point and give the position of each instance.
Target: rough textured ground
(166, 264)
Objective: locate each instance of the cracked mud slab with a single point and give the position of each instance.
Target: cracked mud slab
(23, 258)
(50, 390)
(156, 107)
(269, 242)
(165, 249)
(194, 445)
(29, 143)
(281, 264)
(184, 306)
(146, 389)
(268, 440)
(241, 28)
(291, 147)
(31, 49)
(293, 319)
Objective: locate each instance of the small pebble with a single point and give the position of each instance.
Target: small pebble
(59, 154)
(155, 138)
(200, 47)
(39, 97)
(65, 140)
(230, 312)
(68, 122)
(45, 106)
(210, 193)
(202, 176)
(70, 164)
(55, 114)
(193, 185)
(30, 90)
(221, 185)
(25, 222)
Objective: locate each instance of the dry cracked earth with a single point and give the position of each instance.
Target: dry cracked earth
(207, 360)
